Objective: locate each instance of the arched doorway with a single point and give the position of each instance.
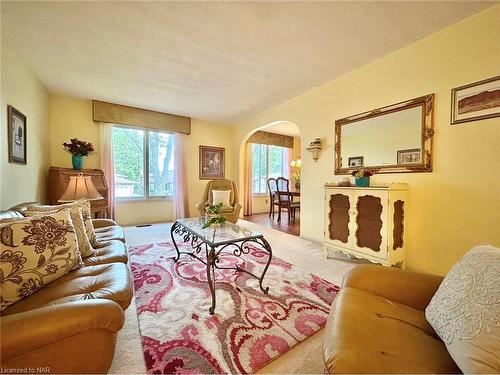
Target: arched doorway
(270, 151)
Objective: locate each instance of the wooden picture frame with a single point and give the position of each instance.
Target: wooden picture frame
(409, 157)
(355, 161)
(212, 162)
(475, 101)
(16, 136)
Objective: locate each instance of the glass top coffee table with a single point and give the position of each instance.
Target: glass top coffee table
(228, 238)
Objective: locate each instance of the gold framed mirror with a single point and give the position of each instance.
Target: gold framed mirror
(392, 139)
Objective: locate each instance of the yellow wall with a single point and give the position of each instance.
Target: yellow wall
(21, 89)
(455, 206)
(72, 117)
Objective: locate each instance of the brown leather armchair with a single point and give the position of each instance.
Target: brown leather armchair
(232, 212)
(377, 324)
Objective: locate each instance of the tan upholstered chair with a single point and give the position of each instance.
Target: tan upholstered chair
(231, 213)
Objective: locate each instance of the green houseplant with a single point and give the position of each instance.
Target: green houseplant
(214, 217)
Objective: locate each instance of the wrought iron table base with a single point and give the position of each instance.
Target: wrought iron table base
(238, 247)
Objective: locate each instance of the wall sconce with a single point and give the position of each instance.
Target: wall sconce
(315, 147)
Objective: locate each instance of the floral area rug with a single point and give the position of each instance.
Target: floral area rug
(249, 328)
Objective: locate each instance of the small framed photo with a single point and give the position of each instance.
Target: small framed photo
(411, 156)
(211, 163)
(476, 101)
(356, 161)
(16, 135)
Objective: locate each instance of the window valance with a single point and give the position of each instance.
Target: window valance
(274, 139)
(121, 114)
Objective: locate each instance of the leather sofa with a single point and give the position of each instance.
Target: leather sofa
(377, 324)
(70, 325)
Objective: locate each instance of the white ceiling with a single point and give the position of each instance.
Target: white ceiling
(218, 61)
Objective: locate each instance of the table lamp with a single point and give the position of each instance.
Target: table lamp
(80, 187)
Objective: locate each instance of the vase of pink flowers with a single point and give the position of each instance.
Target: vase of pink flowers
(78, 149)
(362, 177)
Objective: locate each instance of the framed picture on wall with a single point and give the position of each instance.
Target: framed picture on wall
(211, 163)
(356, 161)
(410, 156)
(16, 135)
(476, 101)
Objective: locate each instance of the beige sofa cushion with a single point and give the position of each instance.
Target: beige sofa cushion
(34, 252)
(76, 212)
(465, 311)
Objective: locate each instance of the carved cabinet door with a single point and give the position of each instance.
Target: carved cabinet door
(370, 217)
(338, 218)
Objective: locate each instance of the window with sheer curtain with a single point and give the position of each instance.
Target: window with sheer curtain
(143, 163)
(267, 161)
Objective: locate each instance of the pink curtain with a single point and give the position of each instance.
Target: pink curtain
(286, 163)
(181, 205)
(247, 199)
(106, 162)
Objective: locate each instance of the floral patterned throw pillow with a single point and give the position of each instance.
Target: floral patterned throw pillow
(34, 252)
(76, 211)
(465, 311)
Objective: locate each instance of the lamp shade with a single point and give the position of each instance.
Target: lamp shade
(80, 187)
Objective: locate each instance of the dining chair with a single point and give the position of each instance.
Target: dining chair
(272, 186)
(285, 198)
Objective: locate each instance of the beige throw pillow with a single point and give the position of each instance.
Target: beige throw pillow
(34, 252)
(221, 196)
(465, 311)
(80, 214)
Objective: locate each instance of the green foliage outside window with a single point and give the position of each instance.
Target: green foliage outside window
(267, 161)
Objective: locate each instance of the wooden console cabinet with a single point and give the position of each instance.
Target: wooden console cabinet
(58, 181)
(366, 222)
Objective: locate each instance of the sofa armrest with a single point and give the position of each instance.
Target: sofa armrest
(25, 332)
(405, 287)
(102, 223)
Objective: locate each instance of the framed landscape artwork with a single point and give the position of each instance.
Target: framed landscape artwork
(211, 163)
(476, 101)
(411, 156)
(16, 135)
(356, 161)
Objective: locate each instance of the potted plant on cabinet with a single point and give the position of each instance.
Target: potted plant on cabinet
(78, 149)
(362, 177)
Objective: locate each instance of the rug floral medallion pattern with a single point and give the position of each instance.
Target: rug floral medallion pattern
(249, 328)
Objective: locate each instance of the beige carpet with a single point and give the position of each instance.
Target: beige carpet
(305, 358)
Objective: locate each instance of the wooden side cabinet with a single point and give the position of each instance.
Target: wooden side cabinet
(59, 179)
(366, 222)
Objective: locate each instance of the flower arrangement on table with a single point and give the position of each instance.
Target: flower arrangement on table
(295, 176)
(78, 149)
(214, 216)
(362, 177)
